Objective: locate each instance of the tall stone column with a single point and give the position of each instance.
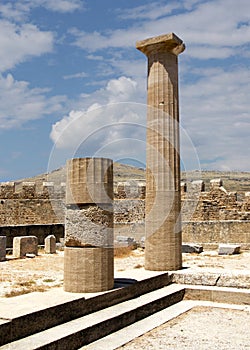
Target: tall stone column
(163, 197)
(88, 254)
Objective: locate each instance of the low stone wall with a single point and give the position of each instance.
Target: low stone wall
(128, 211)
(40, 231)
(210, 233)
(135, 230)
(28, 206)
(207, 233)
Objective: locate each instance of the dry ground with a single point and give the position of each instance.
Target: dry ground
(19, 276)
(202, 328)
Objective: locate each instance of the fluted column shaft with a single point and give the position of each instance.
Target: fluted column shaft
(88, 253)
(163, 199)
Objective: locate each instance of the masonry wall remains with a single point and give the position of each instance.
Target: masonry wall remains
(208, 214)
(29, 206)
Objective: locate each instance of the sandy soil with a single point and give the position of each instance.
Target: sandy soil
(19, 276)
(202, 328)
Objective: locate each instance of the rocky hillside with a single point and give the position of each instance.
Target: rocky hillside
(233, 181)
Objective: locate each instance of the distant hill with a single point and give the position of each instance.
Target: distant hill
(121, 173)
(232, 181)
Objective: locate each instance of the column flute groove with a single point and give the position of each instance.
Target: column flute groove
(163, 201)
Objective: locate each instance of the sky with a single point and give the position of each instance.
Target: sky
(72, 82)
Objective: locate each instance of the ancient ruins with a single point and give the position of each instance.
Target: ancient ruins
(163, 198)
(88, 252)
(89, 214)
(210, 214)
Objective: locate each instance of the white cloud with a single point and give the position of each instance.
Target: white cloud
(95, 57)
(214, 101)
(79, 75)
(109, 105)
(19, 43)
(202, 25)
(60, 5)
(215, 115)
(19, 10)
(20, 104)
(14, 11)
(149, 11)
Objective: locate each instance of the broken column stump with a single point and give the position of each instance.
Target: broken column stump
(88, 252)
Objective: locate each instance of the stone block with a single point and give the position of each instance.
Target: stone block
(60, 245)
(28, 189)
(89, 180)
(142, 242)
(142, 190)
(7, 189)
(90, 226)
(228, 249)
(88, 270)
(2, 248)
(216, 183)
(198, 186)
(124, 241)
(191, 248)
(50, 244)
(48, 187)
(25, 245)
(195, 278)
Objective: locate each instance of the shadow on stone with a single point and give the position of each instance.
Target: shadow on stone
(124, 282)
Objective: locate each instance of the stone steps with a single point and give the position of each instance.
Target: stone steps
(32, 313)
(83, 330)
(139, 328)
(59, 320)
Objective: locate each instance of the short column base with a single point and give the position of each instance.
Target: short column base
(88, 270)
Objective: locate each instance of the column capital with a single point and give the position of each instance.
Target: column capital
(162, 43)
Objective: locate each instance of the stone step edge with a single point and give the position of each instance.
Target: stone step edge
(47, 317)
(229, 295)
(127, 334)
(74, 334)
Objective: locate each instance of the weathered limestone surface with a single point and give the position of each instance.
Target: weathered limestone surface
(163, 194)
(2, 248)
(89, 180)
(229, 249)
(89, 226)
(50, 244)
(89, 212)
(25, 245)
(130, 189)
(29, 205)
(129, 211)
(217, 278)
(88, 259)
(191, 248)
(40, 231)
(88, 270)
(124, 241)
(211, 233)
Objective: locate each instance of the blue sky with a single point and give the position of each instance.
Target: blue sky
(73, 84)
